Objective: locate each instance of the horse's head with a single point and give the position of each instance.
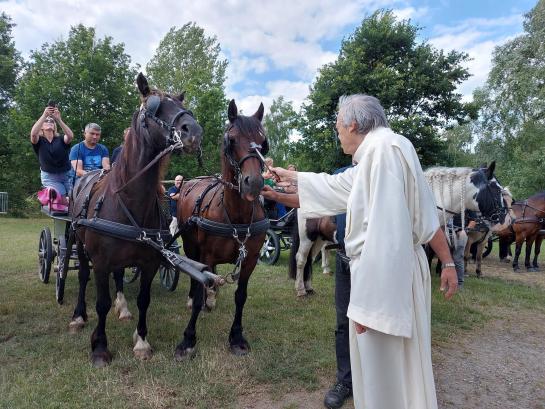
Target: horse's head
(166, 120)
(490, 197)
(244, 144)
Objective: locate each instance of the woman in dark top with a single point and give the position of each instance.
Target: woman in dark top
(52, 150)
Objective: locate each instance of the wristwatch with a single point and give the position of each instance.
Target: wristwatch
(446, 265)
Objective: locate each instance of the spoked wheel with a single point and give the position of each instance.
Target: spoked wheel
(45, 255)
(169, 277)
(271, 249)
(132, 275)
(61, 259)
(488, 247)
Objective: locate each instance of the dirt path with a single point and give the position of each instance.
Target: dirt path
(498, 366)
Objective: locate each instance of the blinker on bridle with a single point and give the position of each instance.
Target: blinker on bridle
(174, 137)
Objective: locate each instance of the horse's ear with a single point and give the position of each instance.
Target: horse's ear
(259, 113)
(181, 97)
(490, 170)
(232, 111)
(143, 86)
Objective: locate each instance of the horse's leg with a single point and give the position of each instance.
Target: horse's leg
(467, 251)
(142, 349)
(80, 312)
(186, 348)
(480, 248)
(528, 255)
(301, 259)
(325, 261)
(211, 293)
(100, 355)
(120, 303)
(537, 250)
(518, 248)
(238, 344)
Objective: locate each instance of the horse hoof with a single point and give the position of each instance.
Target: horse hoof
(327, 272)
(310, 291)
(101, 359)
(184, 354)
(76, 325)
(125, 316)
(143, 354)
(301, 293)
(189, 303)
(240, 350)
(531, 269)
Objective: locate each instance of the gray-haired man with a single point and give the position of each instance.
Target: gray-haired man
(89, 154)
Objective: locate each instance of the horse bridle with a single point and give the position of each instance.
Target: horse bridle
(499, 211)
(149, 110)
(254, 152)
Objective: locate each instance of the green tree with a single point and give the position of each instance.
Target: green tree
(415, 83)
(90, 79)
(511, 121)
(279, 124)
(187, 60)
(10, 61)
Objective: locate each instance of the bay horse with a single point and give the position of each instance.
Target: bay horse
(529, 218)
(221, 220)
(309, 237)
(126, 198)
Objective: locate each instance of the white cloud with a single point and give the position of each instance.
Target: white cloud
(410, 13)
(477, 38)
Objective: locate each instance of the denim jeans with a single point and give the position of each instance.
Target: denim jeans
(342, 298)
(62, 182)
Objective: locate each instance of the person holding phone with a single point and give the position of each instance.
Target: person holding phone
(52, 149)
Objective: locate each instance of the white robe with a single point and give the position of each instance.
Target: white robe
(390, 214)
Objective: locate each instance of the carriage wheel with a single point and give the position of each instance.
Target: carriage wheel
(169, 277)
(45, 255)
(61, 259)
(131, 277)
(488, 247)
(271, 249)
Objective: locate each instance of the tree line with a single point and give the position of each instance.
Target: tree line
(92, 79)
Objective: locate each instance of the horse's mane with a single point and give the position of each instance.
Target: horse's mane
(454, 173)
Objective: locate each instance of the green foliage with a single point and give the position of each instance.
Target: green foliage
(90, 79)
(512, 105)
(415, 83)
(10, 61)
(187, 60)
(279, 124)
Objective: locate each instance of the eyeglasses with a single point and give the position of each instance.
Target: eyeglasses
(50, 120)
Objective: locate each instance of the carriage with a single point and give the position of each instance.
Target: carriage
(54, 254)
(278, 237)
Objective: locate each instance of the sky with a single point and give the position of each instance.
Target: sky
(274, 48)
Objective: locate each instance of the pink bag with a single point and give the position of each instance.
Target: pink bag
(49, 196)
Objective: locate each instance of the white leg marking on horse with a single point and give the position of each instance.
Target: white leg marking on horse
(142, 349)
(121, 308)
(76, 324)
(211, 298)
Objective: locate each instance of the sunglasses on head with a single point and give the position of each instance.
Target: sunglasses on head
(50, 120)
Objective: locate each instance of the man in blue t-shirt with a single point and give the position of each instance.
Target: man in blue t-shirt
(173, 195)
(89, 154)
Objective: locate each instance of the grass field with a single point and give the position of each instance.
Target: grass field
(292, 340)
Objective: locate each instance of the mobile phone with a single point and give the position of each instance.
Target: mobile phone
(51, 103)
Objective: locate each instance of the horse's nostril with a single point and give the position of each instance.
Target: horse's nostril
(185, 128)
(247, 180)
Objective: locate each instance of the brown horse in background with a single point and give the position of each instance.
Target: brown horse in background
(126, 199)
(222, 221)
(529, 217)
(308, 238)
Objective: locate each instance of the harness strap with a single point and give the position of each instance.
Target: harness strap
(228, 230)
(123, 231)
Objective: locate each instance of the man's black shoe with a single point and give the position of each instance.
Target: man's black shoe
(335, 397)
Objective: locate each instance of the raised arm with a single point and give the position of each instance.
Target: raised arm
(37, 127)
(68, 134)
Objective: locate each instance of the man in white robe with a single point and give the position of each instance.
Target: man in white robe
(390, 214)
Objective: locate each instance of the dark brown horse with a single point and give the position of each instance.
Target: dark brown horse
(128, 196)
(222, 220)
(529, 217)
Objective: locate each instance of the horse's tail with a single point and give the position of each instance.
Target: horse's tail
(294, 248)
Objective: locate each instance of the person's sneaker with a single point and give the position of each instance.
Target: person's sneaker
(335, 397)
